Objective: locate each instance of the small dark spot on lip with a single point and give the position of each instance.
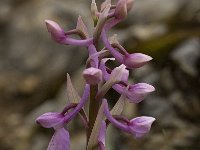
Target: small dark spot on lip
(37, 122)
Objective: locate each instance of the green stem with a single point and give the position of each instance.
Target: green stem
(93, 109)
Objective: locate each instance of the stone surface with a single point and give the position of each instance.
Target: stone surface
(187, 55)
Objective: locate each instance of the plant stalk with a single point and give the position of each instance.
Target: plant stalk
(93, 109)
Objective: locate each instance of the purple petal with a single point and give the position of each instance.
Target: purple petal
(93, 56)
(50, 119)
(56, 31)
(137, 92)
(60, 140)
(140, 126)
(113, 51)
(119, 74)
(110, 23)
(121, 9)
(136, 60)
(129, 4)
(116, 123)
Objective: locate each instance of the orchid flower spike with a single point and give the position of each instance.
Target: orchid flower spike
(99, 79)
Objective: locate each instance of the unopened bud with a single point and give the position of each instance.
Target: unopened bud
(55, 30)
(104, 4)
(101, 21)
(92, 75)
(129, 4)
(121, 9)
(94, 10)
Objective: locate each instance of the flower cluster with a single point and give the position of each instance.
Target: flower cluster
(99, 79)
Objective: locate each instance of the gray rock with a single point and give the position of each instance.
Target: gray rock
(144, 11)
(187, 55)
(32, 65)
(191, 12)
(187, 105)
(161, 109)
(40, 141)
(166, 81)
(145, 32)
(142, 72)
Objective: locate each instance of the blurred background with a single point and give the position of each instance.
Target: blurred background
(33, 72)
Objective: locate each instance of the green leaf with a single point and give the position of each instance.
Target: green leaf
(93, 140)
(72, 94)
(119, 106)
(82, 27)
(104, 4)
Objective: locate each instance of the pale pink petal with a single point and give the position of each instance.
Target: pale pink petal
(50, 119)
(60, 140)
